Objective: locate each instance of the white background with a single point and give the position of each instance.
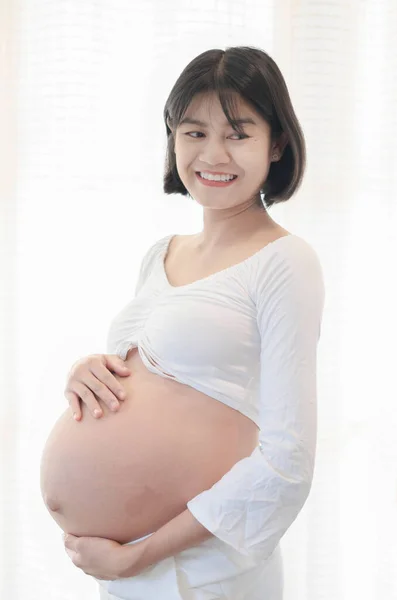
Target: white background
(82, 148)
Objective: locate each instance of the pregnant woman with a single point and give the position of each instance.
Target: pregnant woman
(185, 491)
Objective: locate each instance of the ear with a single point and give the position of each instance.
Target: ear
(279, 146)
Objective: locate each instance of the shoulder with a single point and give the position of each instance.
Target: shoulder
(290, 265)
(152, 252)
(156, 246)
(293, 253)
(287, 288)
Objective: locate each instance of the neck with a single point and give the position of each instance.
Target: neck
(221, 232)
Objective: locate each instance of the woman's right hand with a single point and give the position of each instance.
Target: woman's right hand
(90, 377)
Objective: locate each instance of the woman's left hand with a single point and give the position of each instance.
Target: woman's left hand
(99, 557)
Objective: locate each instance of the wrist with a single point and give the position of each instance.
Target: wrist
(133, 559)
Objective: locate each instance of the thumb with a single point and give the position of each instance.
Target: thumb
(118, 366)
(71, 553)
(69, 540)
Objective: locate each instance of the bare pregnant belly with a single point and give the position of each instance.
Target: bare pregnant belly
(128, 473)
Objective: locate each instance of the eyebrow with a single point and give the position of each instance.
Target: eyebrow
(190, 121)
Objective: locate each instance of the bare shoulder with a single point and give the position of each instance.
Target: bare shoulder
(272, 234)
(179, 241)
(187, 243)
(178, 247)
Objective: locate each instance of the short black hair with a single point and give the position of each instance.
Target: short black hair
(256, 78)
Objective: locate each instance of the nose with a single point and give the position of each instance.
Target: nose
(214, 153)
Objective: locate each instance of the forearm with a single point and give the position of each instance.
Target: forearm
(182, 532)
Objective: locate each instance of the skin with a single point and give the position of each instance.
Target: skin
(230, 214)
(131, 473)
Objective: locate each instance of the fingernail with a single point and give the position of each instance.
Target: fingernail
(97, 412)
(114, 405)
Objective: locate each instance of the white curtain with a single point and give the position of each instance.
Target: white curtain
(82, 146)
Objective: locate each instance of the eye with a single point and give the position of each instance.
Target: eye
(243, 136)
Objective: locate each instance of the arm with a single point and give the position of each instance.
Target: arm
(257, 500)
(182, 532)
(254, 504)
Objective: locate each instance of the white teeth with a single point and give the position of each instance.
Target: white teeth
(217, 177)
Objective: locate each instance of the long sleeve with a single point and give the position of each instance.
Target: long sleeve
(146, 264)
(257, 500)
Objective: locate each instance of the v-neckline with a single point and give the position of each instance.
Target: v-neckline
(164, 252)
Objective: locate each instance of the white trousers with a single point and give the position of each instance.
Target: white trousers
(212, 570)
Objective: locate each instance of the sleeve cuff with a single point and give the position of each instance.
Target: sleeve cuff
(229, 526)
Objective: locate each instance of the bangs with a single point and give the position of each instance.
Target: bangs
(229, 88)
(240, 74)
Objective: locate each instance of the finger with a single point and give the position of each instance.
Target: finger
(117, 365)
(70, 545)
(74, 403)
(88, 398)
(74, 557)
(108, 388)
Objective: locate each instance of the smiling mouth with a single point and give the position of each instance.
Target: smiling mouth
(218, 174)
(215, 183)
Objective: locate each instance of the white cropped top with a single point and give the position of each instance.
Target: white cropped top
(246, 336)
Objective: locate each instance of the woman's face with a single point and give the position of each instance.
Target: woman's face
(215, 146)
